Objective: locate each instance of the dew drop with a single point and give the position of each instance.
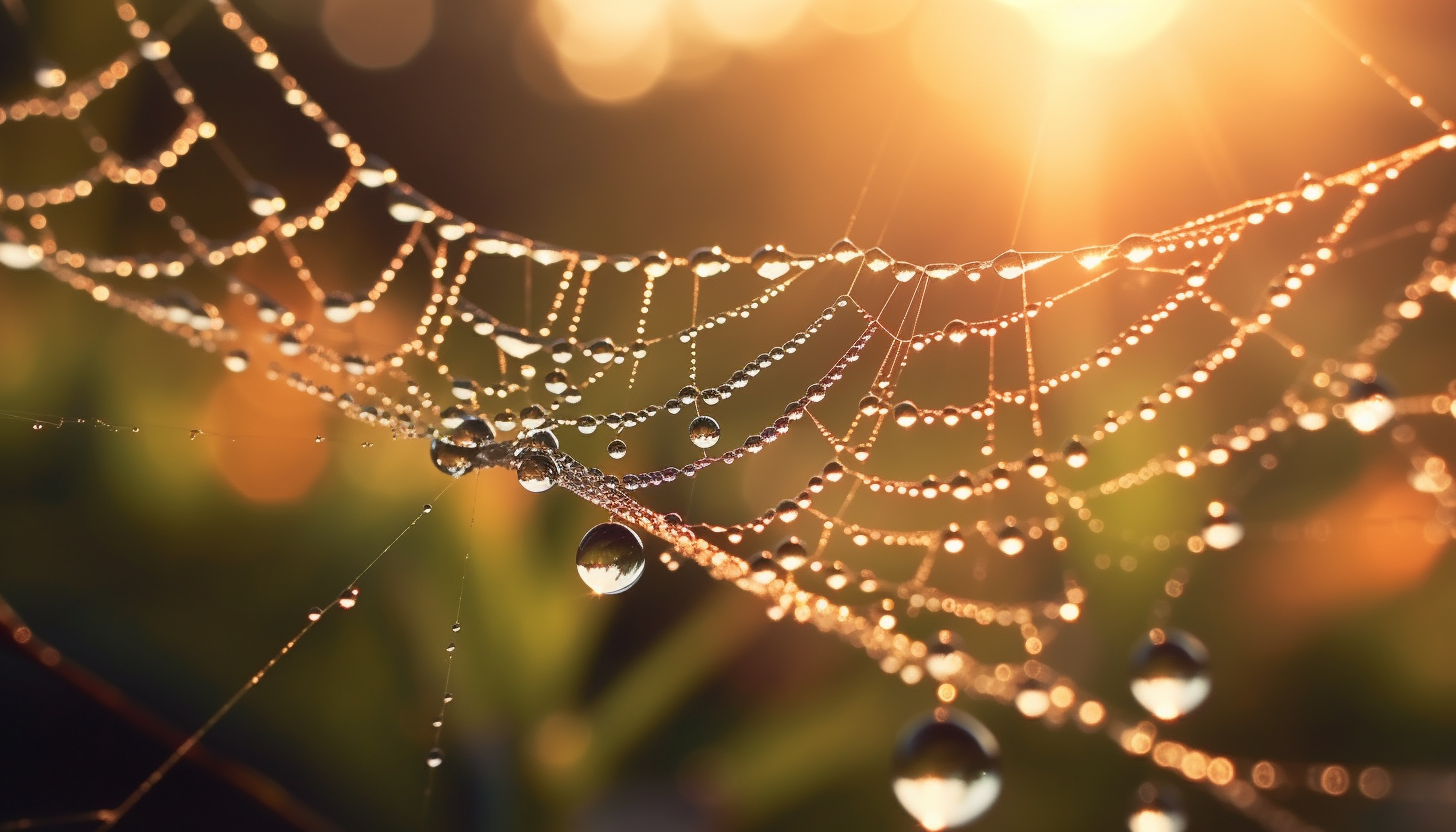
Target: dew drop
(707, 262)
(237, 361)
(434, 758)
(451, 459)
(1036, 467)
(1369, 405)
(472, 432)
(610, 558)
(1136, 248)
(772, 262)
(791, 554)
(537, 472)
(704, 432)
(943, 656)
(1011, 541)
(455, 628)
(877, 260)
(339, 308)
(906, 414)
(844, 251)
(1170, 673)
(957, 331)
(1075, 455)
(1009, 264)
(375, 172)
(427, 509)
(616, 449)
(1156, 809)
(315, 614)
(836, 578)
(348, 599)
(946, 769)
(1222, 526)
(264, 199)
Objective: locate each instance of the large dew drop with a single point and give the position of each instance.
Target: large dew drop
(1369, 406)
(452, 459)
(703, 431)
(1170, 673)
(1222, 528)
(947, 769)
(1156, 810)
(610, 558)
(537, 472)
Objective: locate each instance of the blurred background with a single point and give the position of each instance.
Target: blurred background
(173, 566)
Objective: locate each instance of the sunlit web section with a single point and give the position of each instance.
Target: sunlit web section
(944, 435)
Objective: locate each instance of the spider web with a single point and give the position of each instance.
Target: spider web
(935, 450)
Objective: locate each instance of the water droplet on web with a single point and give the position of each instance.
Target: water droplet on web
(339, 308)
(450, 648)
(1156, 809)
(946, 770)
(1075, 455)
(1369, 405)
(707, 262)
(348, 599)
(771, 262)
(610, 558)
(957, 331)
(154, 49)
(375, 172)
(264, 199)
(1170, 673)
(836, 578)
(237, 361)
(455, 628)
(616, 449)
(472, 432)
(844, 251)
(906, 414)
(434, 758)
(451, 459)
(48, 74)
(537, 472)
(1009, 264)
(1136, 248)
(791, 554)
(602, 350)
(427, 509)
(1222, 527)
(1010, 541)
(315, 614)
(877, 260)
(704, 432)
(1036, 467)
(943, 656)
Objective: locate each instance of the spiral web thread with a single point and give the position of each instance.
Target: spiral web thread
(880, 310)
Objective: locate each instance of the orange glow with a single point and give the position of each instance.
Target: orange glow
(245, 415)
(1109, 27)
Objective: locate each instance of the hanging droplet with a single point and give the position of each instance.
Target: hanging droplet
(537, 472)
(772, 262)
(455, 628)
(791, 554)
(957, 331)
(1000, 478)
(452, 416)
(1136, 248)
(1011, 541)
(601, 350)
(434, 758)
(408, 206)
(154, 49)
(1369, 405)
(707, 262)
(1222, 527)
(556, 382)
(952, 541)
(655, 264)
(610, 558)
(616, 449)
(1170, 673)
(427, 509)
(315, 614)
(375, 172)
(1009, 264)
(764, 570)
(877, 260)
(348, 598)
(264, 199)
(943, 656)
(946, 770)
(472, 432)
(339, 308)
(1310, 186)
(1032, 699)
(237, 361)
(704, 432)
(49, 74)
(1075, 455)
(451, 459)
(906, 414)
(844, 251)
(1156, 809)
(1036, 467)
(836, 578)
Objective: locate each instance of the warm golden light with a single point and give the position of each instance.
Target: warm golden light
(1108, 27)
